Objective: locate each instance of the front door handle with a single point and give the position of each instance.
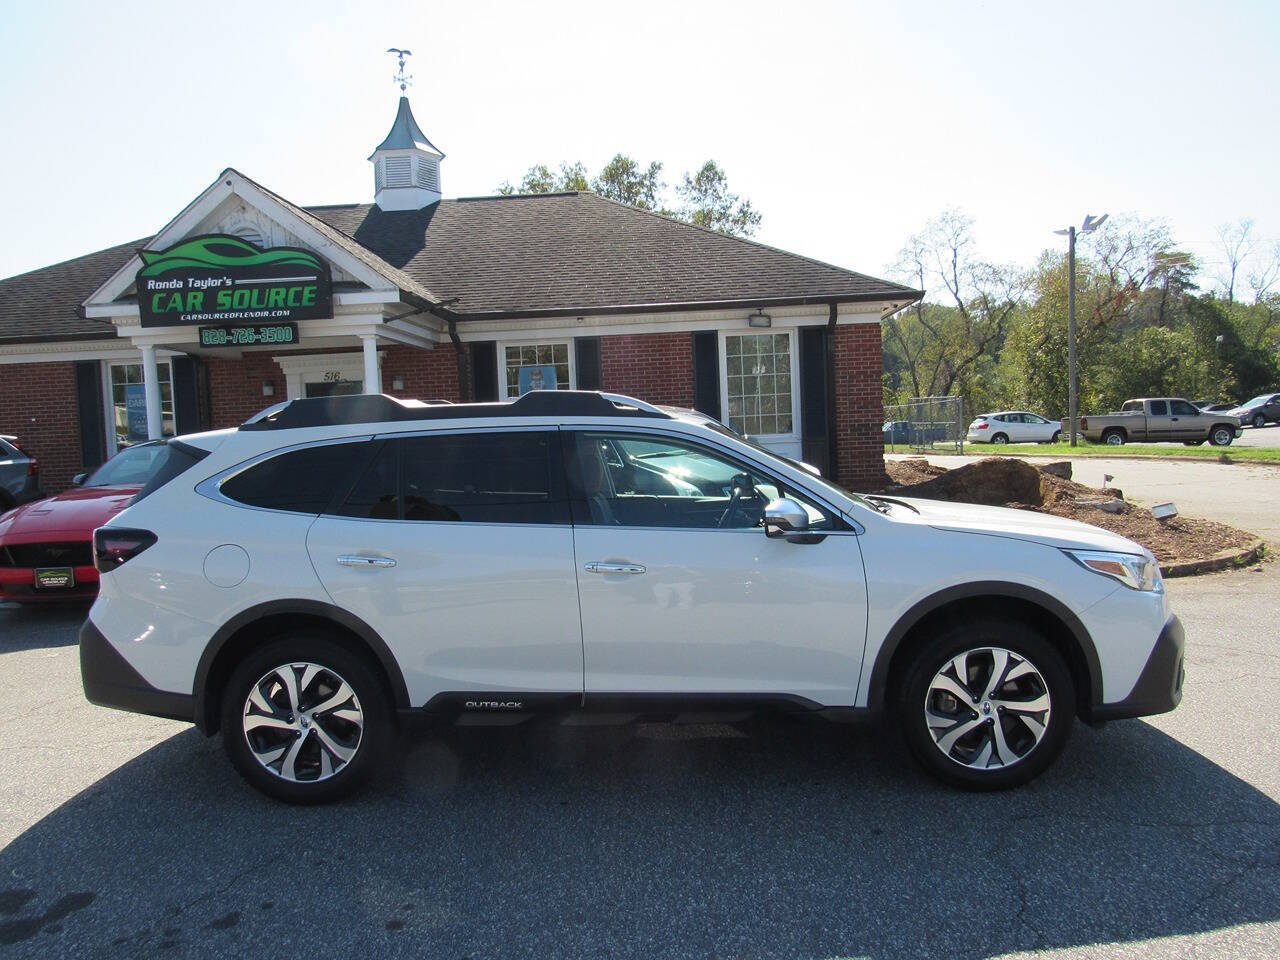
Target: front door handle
(599, 566)
(354, 560)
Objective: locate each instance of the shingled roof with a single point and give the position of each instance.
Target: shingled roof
(556, 254)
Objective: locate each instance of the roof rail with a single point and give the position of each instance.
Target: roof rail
(380, 408)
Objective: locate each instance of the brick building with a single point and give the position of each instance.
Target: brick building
(465, 299)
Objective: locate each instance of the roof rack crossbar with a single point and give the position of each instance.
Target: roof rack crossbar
(380, 408)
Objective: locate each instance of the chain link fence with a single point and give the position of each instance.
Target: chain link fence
(925, 425)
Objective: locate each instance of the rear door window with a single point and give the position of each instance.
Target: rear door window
(1159, 408)
(492, 477)
(307, 480)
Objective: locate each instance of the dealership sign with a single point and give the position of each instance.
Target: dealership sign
(225, 280)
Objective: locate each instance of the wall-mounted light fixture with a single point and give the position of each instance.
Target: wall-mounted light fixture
(397, 383)
(268, 389)
(759, 319)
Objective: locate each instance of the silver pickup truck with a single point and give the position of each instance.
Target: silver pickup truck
(1161, 419)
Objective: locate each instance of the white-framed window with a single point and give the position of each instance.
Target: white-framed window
(126, 403)
(535, 366)
(760, 390)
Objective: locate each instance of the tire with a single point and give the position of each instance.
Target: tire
(290, 755)
(1193, 443)
(1259, 421)
(1221, 436)
(992, 729)
(1114, 437)
(1056, 435)
(1000, 438)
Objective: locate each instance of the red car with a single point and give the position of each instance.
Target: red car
(46, 547)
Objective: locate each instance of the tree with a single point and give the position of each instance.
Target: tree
(707, 199)
(708, 202)
(952, 346)
(624, 180)
(541, 179)
(1236, 247)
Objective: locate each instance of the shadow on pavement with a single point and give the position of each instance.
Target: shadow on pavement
(37, 625)
(791, 839)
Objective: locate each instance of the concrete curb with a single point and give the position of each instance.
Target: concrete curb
(1222, 561)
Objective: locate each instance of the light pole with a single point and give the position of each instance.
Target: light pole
(1073, 383)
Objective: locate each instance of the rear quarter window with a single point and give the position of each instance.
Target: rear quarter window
(307, 480)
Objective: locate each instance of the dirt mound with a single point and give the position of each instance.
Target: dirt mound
(995, 481)
(905, 473)
(1010, 482)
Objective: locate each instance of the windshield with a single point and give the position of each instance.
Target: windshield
(1258, 401)
(131, 467)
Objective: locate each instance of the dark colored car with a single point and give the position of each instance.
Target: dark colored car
(19, 474)
(1208, 406)
(1259, 411)
(907, 432)
(46, 547)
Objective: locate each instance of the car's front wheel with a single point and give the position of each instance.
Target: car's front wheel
(305, 720)
(1259, 421)
(1221, 436)
(986, 705)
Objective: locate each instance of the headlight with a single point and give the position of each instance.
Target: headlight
(1137, 572)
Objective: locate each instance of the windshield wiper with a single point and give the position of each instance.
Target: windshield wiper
(876, 498)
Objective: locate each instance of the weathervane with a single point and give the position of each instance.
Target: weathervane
(401, 77)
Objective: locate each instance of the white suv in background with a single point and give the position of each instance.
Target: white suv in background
(1013, 426)
(339, 567)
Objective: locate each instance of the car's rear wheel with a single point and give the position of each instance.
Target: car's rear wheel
(1259, 420)
(1056, 435)
(305, 720)
(1221, 436)
(986, 705)
(1114, 438)
(1000, 438)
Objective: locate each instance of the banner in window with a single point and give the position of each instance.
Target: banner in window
(135, 408)
(221, 279)
(541, 377)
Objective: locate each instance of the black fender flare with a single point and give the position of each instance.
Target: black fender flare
(311, 608)
(982, 588)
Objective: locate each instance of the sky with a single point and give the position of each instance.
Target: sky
(847, 125)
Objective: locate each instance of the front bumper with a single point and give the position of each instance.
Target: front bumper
(19, 585)
(109, 681)
(1159, 686)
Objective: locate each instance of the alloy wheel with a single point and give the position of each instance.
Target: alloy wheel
(303, 722)
(987, 708)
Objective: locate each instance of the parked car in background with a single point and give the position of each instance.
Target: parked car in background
(1160, 419)
(1208, 406)
(1013, 426)
(46, 546)
(907, 432)
(19, 474)
(1259, 411)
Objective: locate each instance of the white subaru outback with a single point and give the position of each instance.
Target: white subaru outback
(337, 568)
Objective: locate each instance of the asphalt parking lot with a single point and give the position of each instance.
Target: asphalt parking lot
(129, 836)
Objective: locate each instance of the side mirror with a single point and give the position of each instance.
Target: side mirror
(784, 516)
(79, 479)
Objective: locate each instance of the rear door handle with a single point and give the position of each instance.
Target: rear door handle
(354, 560)
(599, 566)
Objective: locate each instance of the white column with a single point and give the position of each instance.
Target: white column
(372, 377)
(151, 386)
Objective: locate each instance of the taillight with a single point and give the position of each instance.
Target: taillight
(113, 547)
(982, 426)
(1084, 423)
(33, 467)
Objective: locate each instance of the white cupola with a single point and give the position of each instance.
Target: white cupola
(406, 166)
